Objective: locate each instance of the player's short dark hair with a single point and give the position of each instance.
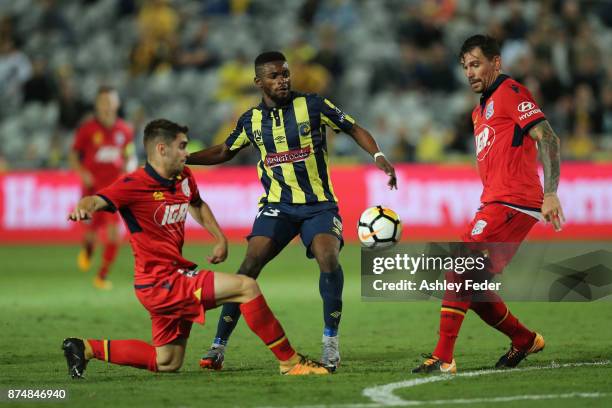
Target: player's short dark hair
(488, 45)
(163, 129)
(268, 56)
(102, 89)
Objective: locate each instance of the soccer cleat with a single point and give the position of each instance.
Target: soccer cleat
(433, 364)
(330, 357)
(514, 356)
(305, 366)
(83, 261)
(102, 284)
(213, 359)
(74, 351)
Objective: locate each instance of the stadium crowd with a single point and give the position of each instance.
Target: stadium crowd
(392, 63)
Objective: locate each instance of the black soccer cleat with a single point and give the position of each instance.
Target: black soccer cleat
(433, 364)
(514, 356)
(74, 351)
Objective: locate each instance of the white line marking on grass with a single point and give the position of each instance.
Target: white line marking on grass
(383, 395)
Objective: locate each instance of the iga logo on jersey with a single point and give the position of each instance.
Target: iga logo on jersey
(485, 136)
(173, 213)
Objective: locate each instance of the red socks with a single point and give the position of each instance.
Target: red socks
(497, 315)
(135, 353)
(263, 323)
(108, 256)
(451, 317)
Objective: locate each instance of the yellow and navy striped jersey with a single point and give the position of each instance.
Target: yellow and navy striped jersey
(291, 141)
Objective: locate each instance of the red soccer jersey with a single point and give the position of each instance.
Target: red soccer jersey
(154, 210)
(507, 156)
(102, 150)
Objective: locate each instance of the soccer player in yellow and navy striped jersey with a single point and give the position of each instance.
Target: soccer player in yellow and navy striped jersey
(288, 130)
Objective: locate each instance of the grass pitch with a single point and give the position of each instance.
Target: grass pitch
(44, 298)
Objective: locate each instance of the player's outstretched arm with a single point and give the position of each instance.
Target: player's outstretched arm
(549, 148)
(204, 216)
(86, 207)
(75, 164)
(365, 140)
(212, 155)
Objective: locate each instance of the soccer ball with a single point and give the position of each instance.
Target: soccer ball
(379, 227)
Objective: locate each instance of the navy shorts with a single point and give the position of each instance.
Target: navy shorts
(282, 222)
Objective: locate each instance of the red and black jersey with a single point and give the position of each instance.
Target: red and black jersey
(507, 156)
(102, 150)
(154, 210)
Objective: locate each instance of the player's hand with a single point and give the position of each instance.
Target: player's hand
(383, 164)
(219, 253)
(79, 214)
(552, 211)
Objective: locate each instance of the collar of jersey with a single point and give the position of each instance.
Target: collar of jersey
(163, 181)
(489, 91)
(265, 107)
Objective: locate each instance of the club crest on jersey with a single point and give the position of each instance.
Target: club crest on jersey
(185, 187)
(158, 196)
(304, 128)
(257, 137)
(119, 138)
(489, 111)
(484, 137)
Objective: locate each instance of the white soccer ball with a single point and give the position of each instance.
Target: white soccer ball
(379, 227)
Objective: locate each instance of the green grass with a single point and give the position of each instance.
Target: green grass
(44, 299)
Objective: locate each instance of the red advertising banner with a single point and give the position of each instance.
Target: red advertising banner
(434, 202)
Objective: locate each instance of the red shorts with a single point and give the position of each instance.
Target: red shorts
(502, 227)
(177, 301)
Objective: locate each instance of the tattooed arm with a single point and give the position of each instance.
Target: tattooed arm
(548, 146)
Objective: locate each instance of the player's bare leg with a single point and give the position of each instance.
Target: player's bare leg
(260, 319)
(326, 249)
(260, 251)
(111, 247)
(170, 356)
(86, 252)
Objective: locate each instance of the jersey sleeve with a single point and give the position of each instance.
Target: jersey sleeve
(522, 108)
(119, 194)
(333, 117)
(238, 139)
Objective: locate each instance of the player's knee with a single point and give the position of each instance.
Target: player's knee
(327, 259)
(169, 362)
(250, 288)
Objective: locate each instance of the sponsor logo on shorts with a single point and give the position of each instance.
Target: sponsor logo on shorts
(479, 227)
(290, 156)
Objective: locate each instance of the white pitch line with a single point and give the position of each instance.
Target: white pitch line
(383, 394)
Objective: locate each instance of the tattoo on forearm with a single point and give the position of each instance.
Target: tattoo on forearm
(548, 144)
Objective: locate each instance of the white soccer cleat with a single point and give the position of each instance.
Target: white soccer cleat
(330, 356)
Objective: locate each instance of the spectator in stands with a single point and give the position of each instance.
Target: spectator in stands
(15, 70)
(197, 53)
(40, 87)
